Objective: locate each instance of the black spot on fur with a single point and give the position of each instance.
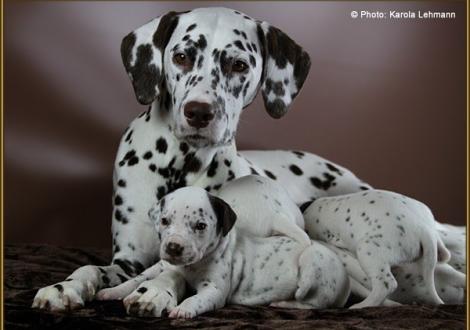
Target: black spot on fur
(121, 183)
(117, 200)
(333, 168)
(191, 27)
(161, 145)
(212, 171)
(305, 205)
(142, 289)
(161, 191)
(323, 184)
(147, 155)
(184, 148)
(270, 174)
(239, 45)
(59, 287)
(295, 169)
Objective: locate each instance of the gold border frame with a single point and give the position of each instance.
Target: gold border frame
(2, 142)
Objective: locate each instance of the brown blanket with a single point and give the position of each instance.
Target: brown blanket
(29, 267)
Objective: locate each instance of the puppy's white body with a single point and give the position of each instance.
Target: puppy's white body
(383, 229)
(264, 208)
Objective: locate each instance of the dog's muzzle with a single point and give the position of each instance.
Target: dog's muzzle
(198, 114)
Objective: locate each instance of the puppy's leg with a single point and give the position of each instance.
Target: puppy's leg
(450, 284)
(285, 227)
(155, 296)
(120, 291)
(208, 298)
(427, 263)
(377, 267)
(323, 280)
(359, 290)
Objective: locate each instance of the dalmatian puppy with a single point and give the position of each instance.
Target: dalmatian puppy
(224, 265)
(263, 208)
(450, 283)
(197, 71)
(382, 229)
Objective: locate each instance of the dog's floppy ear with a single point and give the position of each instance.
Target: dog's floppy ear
(225, 216)
(156, 210)
(142, 54)
(285, 69)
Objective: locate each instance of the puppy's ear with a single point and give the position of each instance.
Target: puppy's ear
(142, 54)
(286, 66)
(156, 210)
(225, 216)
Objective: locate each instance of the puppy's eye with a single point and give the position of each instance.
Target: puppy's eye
(200, 226)
(239, 66)
(165, 221)
(181, 59)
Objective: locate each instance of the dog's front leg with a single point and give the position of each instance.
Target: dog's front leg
(155, 296)
(78, 288)
(124, 289)
(208, 298)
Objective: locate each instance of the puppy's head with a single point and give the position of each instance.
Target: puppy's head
(190, 224)
(206, 65)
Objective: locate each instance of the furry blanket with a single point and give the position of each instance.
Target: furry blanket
(29, 267)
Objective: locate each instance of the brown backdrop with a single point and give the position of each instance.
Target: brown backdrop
(385, 98)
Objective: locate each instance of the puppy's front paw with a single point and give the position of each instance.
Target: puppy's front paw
(181, 312)
(67, 295)
(147, 300)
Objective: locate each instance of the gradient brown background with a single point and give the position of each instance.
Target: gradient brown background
(385, 98)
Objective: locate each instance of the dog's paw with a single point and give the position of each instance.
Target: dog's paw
(181, 312)
(63, 296)
(149, 301)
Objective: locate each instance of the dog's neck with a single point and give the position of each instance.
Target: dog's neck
(207, 156)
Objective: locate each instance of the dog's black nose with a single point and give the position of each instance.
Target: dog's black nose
(198, 114)
(174, 249)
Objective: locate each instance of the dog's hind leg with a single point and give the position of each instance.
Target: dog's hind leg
(383, 283)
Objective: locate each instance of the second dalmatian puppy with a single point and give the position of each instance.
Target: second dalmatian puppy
(264, 208)
(383, 229)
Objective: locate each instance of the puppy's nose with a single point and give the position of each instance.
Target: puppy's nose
(198, 114)
(174, 249)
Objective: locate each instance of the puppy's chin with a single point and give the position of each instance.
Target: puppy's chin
(183, 260)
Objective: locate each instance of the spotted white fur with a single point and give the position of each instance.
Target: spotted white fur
(383, 230)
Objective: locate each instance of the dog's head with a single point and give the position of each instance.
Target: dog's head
(206, 65)
(190, 223)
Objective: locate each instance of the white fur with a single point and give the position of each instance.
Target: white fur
(382, 229)
(264, 208)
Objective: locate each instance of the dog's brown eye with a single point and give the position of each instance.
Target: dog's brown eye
(180, 59)
(239, 66)
(165, 222)
(201, 226)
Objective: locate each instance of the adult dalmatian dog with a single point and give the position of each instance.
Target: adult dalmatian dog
(197, 70)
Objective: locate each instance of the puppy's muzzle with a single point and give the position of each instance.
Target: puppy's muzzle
(174, 249)
(198, 114)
